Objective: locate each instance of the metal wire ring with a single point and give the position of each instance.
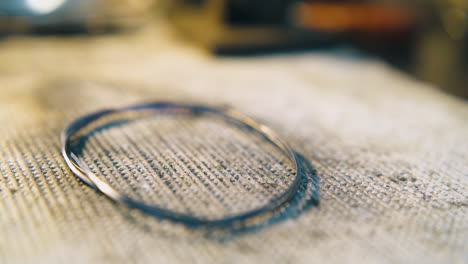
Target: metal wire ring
(84, 173)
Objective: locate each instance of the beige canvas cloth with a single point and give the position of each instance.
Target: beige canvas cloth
(387, 156)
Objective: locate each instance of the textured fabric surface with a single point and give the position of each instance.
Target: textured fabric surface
(386, 156)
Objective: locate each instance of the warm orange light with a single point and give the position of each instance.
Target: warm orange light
(354, 17)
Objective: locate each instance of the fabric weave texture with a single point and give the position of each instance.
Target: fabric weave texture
(387, 156)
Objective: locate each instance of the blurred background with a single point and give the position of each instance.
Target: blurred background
(425, 38)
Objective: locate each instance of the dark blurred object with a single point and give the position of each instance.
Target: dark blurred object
(69, 16)
(425, 38)
(241, 26)
(245, 26)
(236, 25)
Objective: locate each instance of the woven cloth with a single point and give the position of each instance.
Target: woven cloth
(385, 155)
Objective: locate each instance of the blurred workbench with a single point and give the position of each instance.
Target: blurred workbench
(390, 154)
